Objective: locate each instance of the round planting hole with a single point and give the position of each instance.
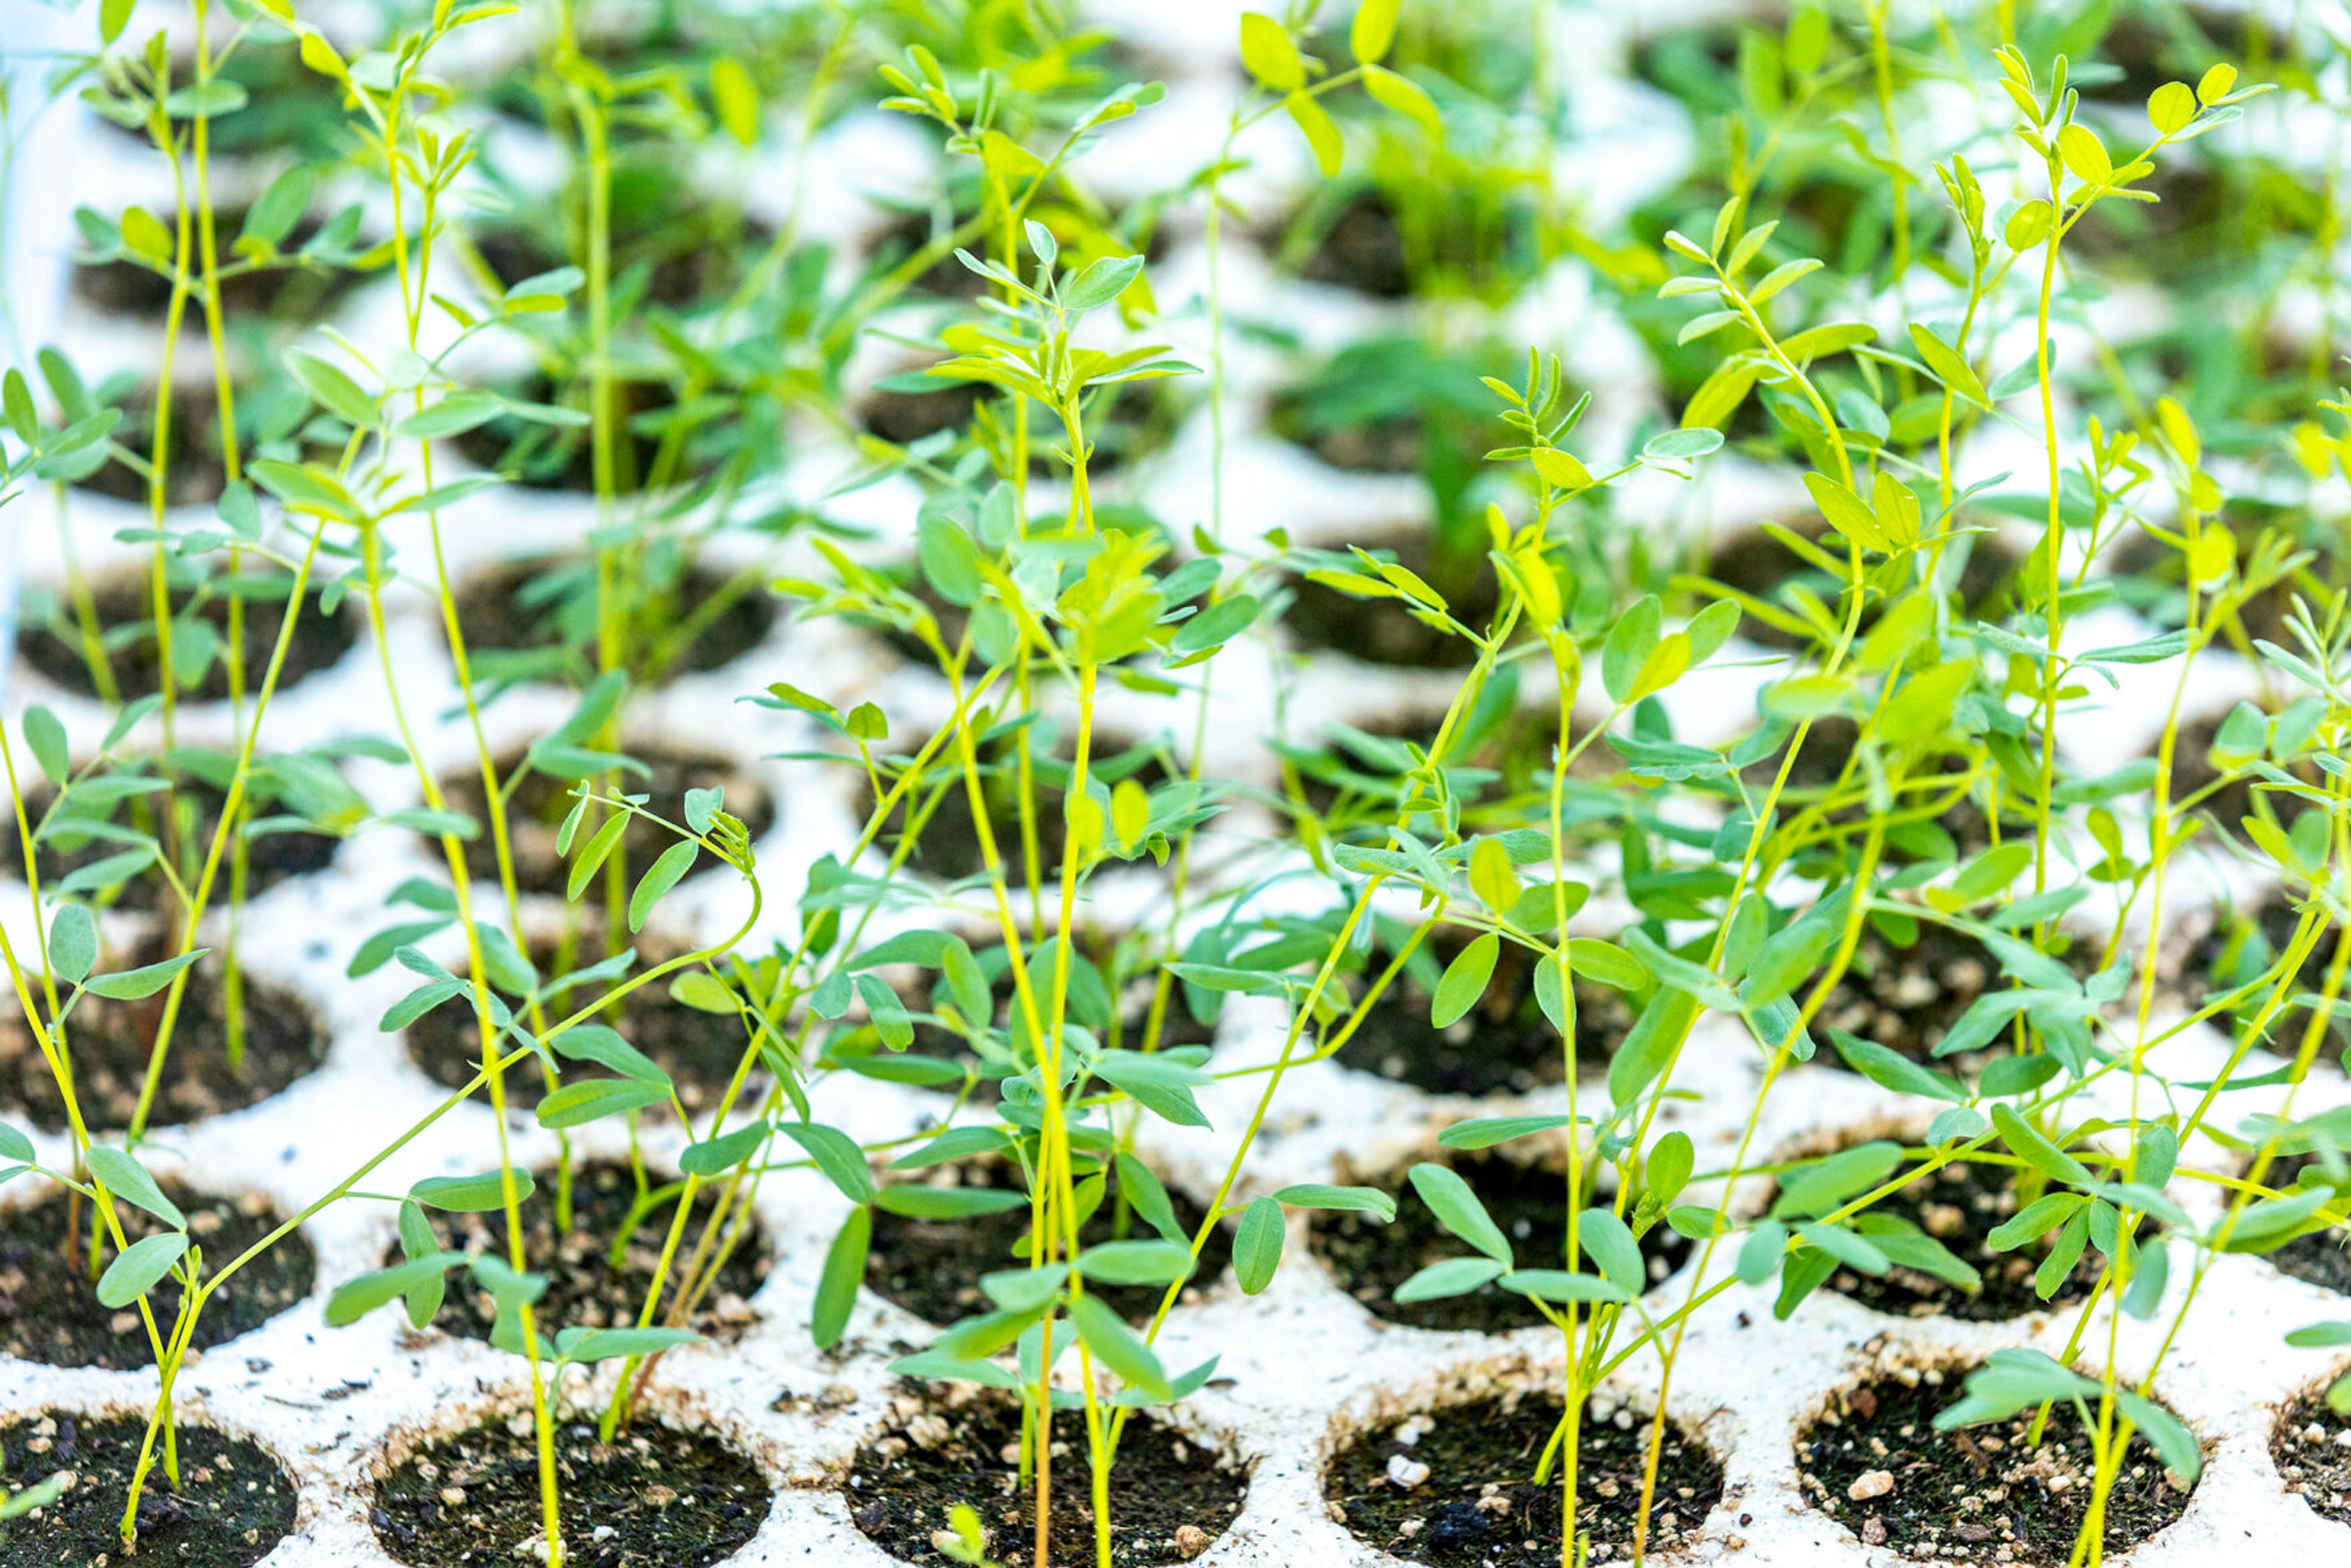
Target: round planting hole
(2311, 1446)
(79, 836)
(537, 806)
(125, 607)
(1370, 1261)
(537, 618)
(1907, 998)
(1873, 1462)
(235, 1502)
(1457, 1485)
(931, 1266)
(110, 1039)
(1960, 1205)
(50, 1313)
(655, 1494)
(601, 1265)
(1502, 1045)
(1172, 1495)
(938, 810)
(1383, 631)
(699, 1050)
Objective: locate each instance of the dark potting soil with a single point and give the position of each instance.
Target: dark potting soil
(320, 640)
(1756, 564)
(2311, 1447)
(233, 1504)
(49, 1310)
(584, 1288)
(1959, 1205)
(536, 809)
(1907, 998)
(1177, 1027)
(903, 418)
(551, 603)
(1502, 1045)
(271, 858)
(947, 845)
(1875, 1463)
(1171, 1495)
(110, 1039)
(699, 1050)
(1383, 630)
(1826, 758)
(1369, 1261)
(2322, 1258)
(563, 457)
(1361, 249)
(654, 1497)
(1476, 1504)
(2192, 771)
(2236, 949)
(932, 1267)
(286, 293)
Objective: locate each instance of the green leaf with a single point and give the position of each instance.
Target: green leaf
(836, 1286)
(1465, 980)
(2029, 1145)
(836, 1154)
(47, 736)
(472, 1194)
(73, 942)
(1350, 1200)
(1458, 1210)
(1559, 1285)
(1136, 1263)
(1314, 122)
(1103, 281)
(586, 1100)
(715, 1156)
(1115, 1346)
(1606, 962)
(132, 984)
(1848, 514)
(603, 1044)
(333, 388)
(585, 1346)
(1269, 55)
(673, 863)
(1405, 95)
(1373, 30)
(2166, 1433)
(736, 98)
(1670, 1161)
(140, 1265)
(354, 1299)
(1257, 1245)
(1160, 1084)
(947, 1202)
(1949, 368)
(127, 1180)
(1454, 1277)
(16, 400)
(599, 848)
(1608, 1242)
(1629, 643)
(2085, 154)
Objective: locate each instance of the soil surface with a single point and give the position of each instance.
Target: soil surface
(1756, 564)
(1960, 1206)
(655, 1495)
(551, 603)
(2236, 949)
(2311, 1447)
(1472, 1502)
(320, 640)
(699, 1050)
(563, 457)
(297, 294)
(949, 844)
(110, 1040)
(1502, 1045)
(2323, 1258)
(584, 1288)
(1907, 998)
(1171, 1495)
(273, 858)
(536, 809)
(233, 1504)
(1383, 630)
(1822, 762)
(932, 1267)
(1368, 1260)
(1876, 1464)
(49, 1310)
